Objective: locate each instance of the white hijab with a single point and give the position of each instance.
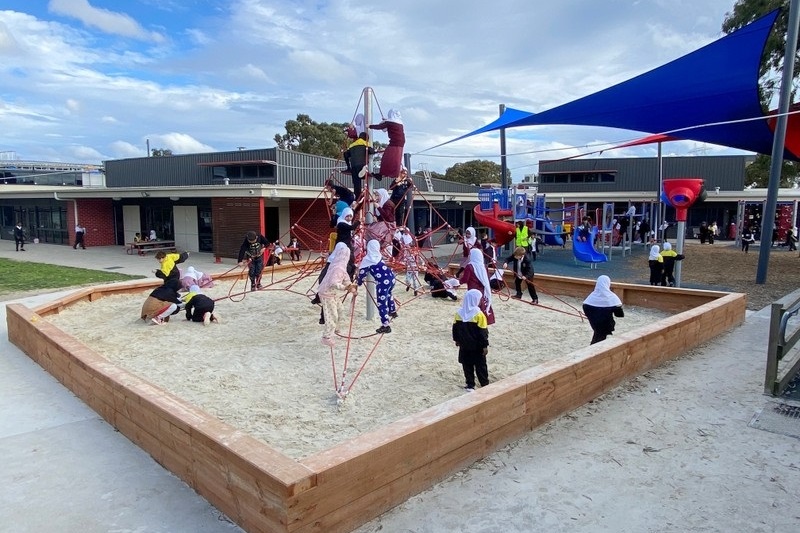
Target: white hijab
(470, 305)
(373, 256)
(654, 253)
(394, 116)
(359, 123)
(470, 241)
(602, 296)
(383, 196)
(194, 274)
(346, 211)
(476, 260)
(667, 246)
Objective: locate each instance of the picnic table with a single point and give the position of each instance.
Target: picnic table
(141, 248)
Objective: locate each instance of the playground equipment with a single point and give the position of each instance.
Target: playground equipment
(585, 251)
(682, 193)
(495, 212)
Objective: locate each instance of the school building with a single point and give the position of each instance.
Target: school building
(206, 202)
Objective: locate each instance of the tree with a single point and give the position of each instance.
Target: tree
(161, 152)
(475, 172)
(745, 12)
(757, 173)
(311, 137)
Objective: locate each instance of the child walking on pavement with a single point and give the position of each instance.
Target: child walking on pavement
(471, 335)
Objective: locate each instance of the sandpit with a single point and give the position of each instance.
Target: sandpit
(263, 370)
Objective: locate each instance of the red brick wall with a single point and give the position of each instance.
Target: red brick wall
(310, 221)
(96, 215)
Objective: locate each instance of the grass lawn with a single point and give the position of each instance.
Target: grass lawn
(23, 276)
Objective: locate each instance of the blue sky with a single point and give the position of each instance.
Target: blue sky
(88, 80)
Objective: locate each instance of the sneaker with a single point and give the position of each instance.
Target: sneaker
(206, 319)
(408, 289)
(259, 287)
(517, 296)
(252, 287)
(214, 318)
(157, 321)
(536, 301)
(363, 171)
(393, 315)
(315, 299)
(383, 329)
(415, 293)
(469, 389)
(322, 320)
(452, 297)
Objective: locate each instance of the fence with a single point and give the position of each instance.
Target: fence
(783, 356)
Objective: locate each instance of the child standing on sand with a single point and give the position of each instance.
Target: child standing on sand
(471, 335)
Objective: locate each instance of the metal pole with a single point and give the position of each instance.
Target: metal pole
(679, 250)
(662, 209)
(370, 300)
(504, 170)
(768, 217)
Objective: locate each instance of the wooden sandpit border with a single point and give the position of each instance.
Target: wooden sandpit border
(340, 488)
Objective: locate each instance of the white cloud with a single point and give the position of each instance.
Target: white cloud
(179, 143)
(232, 74)
(103, 19)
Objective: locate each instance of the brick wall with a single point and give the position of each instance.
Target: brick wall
(233, 217)
(310, 221)
(95, 215)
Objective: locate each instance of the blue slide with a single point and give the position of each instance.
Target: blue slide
(584, 251)
(551, 238)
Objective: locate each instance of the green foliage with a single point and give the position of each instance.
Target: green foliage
(757, 173)
(161, 152)
(745, 12)
(20, 276)
(311, 137)
(475, 172)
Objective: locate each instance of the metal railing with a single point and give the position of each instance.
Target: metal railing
(783, 354)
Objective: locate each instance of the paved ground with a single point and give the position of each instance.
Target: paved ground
(66, 470)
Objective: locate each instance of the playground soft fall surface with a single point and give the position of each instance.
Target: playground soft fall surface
(264, 370)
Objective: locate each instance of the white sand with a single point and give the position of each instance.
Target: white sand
(264, 370)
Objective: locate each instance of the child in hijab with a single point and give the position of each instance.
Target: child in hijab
(336, 279)
(656, 264)
(199, 307)
(384, 283)
(384, 205)
(193, 276)
(392, 159)
(600, 307)
(476, 276)
(471, 335)
(467, 244)
(669, 256)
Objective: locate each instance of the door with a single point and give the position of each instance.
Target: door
(186, 233)
(131, 222)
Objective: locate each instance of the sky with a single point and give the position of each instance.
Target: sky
(84, 81)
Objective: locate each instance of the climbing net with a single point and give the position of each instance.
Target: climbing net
(405, 254)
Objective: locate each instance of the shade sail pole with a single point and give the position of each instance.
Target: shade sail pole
(768, 216)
